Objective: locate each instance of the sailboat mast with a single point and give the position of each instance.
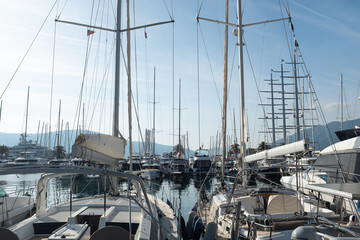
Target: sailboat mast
(27, 112)
(296, 98)
(283, 102)
(180, 117)
(311, 109)
(235, 138)
(341, 101)
(154, 117)
(272, 109)
(129, 81)
(58, 132)
(241, 80)
(224, 112)
(117, 72)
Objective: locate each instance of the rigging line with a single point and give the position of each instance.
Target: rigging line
(102, 83)
(212, 72)
(104, 67)
(78, 109)
(262, 52)
(220, 41)
(147, 81)
(136, 66)
(89, 52)
(286, 34)
(230, 78)
(167, 9)
(329, 136)
(356, 100)
(338, 107)
(52, 81)
(132, 97)
(346, 105)
(102, 109)
(113, 11)
(199, 7)
(243, 8)
(256, 83)
(93, 86)
(287, 7)
(138, 121)
(172, 9)
(27, 51)
(260, 68)
(235, 8)
(62, 9)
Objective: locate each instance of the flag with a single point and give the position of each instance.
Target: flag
(89, 32)
(145, 34)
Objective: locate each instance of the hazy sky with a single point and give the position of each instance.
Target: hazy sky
(328, 33)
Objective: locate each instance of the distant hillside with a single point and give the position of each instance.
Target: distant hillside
(320, 133)
(12, 139)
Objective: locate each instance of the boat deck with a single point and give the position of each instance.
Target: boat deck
(168, 221)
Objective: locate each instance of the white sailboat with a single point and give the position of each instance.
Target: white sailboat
(177, 165)
(130, 213)
(14, 208)
(250, 212)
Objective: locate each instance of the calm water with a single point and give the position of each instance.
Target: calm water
(182, 192)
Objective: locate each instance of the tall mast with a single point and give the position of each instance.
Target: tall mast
(82, 129)
(224, 112)
(272, 108)
(242, 92)
(58, 133)
(154, 117)
(235, 138)
(296, 98)
(180, 116)
(27, 112)
(129, 82)
(0, 109)
(117, 72)
(283, 102)
(312, 115)
(341, 101)
(113, 180)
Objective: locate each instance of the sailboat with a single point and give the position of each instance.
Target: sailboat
(177, 165)
(150, 168)
(28, 151)
(251, 212)
(342, 155)
(344, 134)
(15, 207)
(130, 213)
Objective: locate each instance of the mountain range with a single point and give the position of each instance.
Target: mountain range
(12, 139)
(321, 137)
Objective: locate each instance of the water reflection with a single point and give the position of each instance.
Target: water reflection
(178, 191)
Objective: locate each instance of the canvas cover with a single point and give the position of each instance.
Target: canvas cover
(100, 148)
(299, 146)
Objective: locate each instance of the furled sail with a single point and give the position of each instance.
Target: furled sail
(299, 146)
(100, 148)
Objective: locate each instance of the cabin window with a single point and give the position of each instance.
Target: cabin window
(2, 193)
(323, 177)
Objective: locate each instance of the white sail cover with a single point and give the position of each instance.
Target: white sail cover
(352, 143)
(100, 148)
(299, 146)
